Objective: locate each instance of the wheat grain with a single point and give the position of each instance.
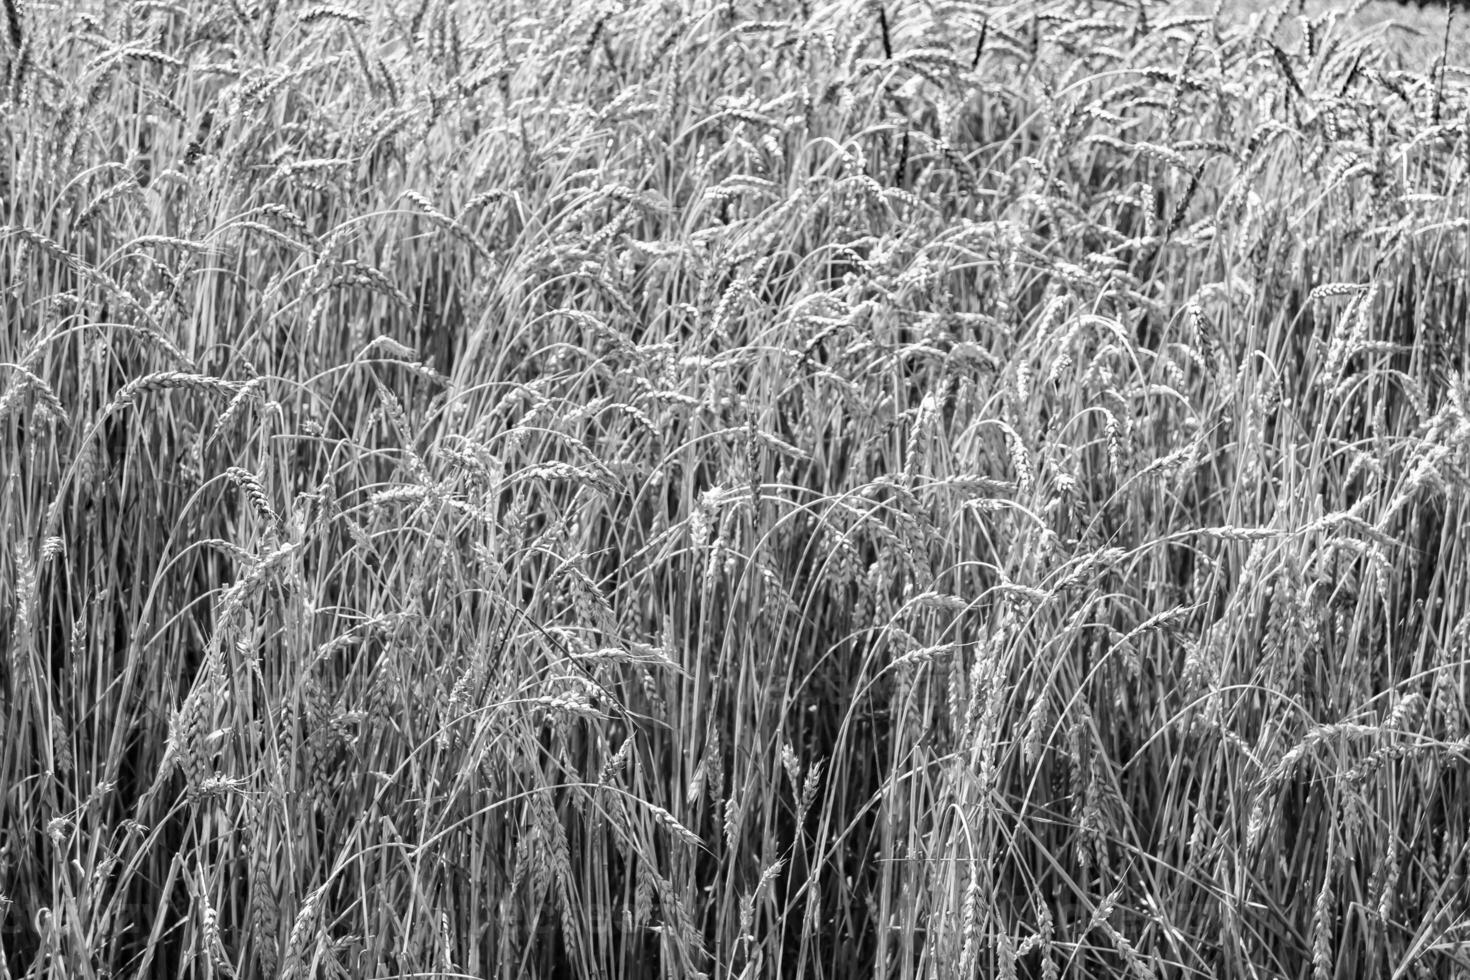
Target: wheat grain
(1322, 966)
(333, 12)
(302, 937)
(255, 493)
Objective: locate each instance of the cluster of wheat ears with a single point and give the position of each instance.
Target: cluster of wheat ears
(732, 489)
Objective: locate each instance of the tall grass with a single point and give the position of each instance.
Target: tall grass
(731, 489)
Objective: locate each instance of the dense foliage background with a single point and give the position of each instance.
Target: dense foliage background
(732, 489)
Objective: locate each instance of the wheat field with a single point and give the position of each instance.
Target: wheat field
(734, 489)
